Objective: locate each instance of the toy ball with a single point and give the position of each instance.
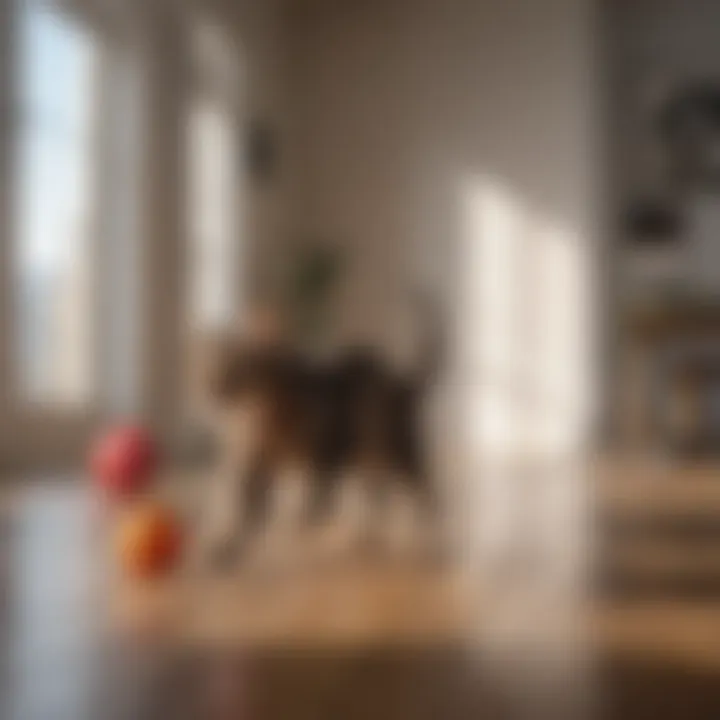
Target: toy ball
(124, 460)
(149, 540)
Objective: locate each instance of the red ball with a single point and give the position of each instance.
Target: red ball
(124, 460)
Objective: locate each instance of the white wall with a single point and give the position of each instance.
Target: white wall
(263, 45)
(402, 109)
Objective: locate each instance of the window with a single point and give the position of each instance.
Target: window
(53, 248)
(214, 193)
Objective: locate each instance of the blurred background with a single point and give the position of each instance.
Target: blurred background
(548, 170)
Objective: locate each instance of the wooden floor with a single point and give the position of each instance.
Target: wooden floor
(352, 638)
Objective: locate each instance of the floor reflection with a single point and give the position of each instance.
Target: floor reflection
(518, 637)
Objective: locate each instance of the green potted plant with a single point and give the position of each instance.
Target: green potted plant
(313, 274)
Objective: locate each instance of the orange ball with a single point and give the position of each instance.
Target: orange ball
(149, 540)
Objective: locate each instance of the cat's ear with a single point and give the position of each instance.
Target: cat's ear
(224, 372)
(264, 326)
(215, 355)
